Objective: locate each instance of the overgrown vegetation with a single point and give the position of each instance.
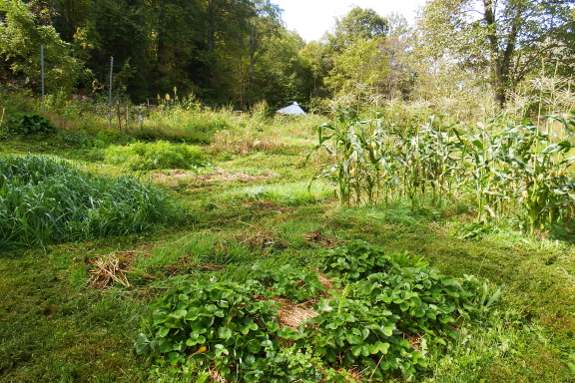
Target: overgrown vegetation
(378, 315)
(505, 170)
(433, 145)
(43, 201)
(261, 236)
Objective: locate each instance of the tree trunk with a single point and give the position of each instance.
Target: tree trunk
(253, 48)
(501, 60)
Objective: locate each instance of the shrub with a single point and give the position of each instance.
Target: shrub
(44, 200)
(157, 155)
(31, 123)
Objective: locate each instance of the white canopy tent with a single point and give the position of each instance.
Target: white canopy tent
(293, 109)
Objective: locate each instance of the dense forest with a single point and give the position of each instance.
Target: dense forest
(239, 52)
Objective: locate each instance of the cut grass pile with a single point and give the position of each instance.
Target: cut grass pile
(44, 200)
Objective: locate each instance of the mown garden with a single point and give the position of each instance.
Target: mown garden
(381, 245)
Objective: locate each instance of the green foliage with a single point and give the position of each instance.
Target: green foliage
(383, 300)
(501, 43)
(359, 70)
(156, 155)
(44, 201)
(214, 322)
(509, 166)
(30, 123)
(287, 282)
(388, 297)
(21, 35)
(359, 24)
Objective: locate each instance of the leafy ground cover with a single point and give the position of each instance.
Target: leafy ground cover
(72, 312)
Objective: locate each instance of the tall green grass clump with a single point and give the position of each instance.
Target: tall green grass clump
(156, 155)
(43, 200)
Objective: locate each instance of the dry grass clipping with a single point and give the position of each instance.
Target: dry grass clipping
(218, 175)
(414, 340)
(217, 378)
(326, 282)
(316, 236)
(242, 143)
(111, 269)
(263, 240)
(260, 241)
(291, 315)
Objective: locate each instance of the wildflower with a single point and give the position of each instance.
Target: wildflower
(74, 96)
(84, 97)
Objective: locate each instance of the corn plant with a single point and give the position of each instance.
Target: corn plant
(504, 170)
(356, 168)
(536, 167)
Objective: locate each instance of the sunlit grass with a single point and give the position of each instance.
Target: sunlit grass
(272, 219)
(290, 194)
(43, 200)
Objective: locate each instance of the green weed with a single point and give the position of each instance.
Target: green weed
(157, 155)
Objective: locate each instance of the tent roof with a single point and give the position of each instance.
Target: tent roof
(292, 109)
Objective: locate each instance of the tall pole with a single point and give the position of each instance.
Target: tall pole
(110, 92)
(42, 70)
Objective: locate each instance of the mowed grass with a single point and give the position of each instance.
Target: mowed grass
(254, 207)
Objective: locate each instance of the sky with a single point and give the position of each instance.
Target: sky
(312, 18)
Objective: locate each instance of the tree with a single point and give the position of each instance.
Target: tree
(319, 61)
(282, 74)
(360, 69)
(358, 63)
(265, 25)
(507, 38)
(20, 40)
(358, 24)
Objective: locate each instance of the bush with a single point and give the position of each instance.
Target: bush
(31, 123)
(157, 155)
(44, 200)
